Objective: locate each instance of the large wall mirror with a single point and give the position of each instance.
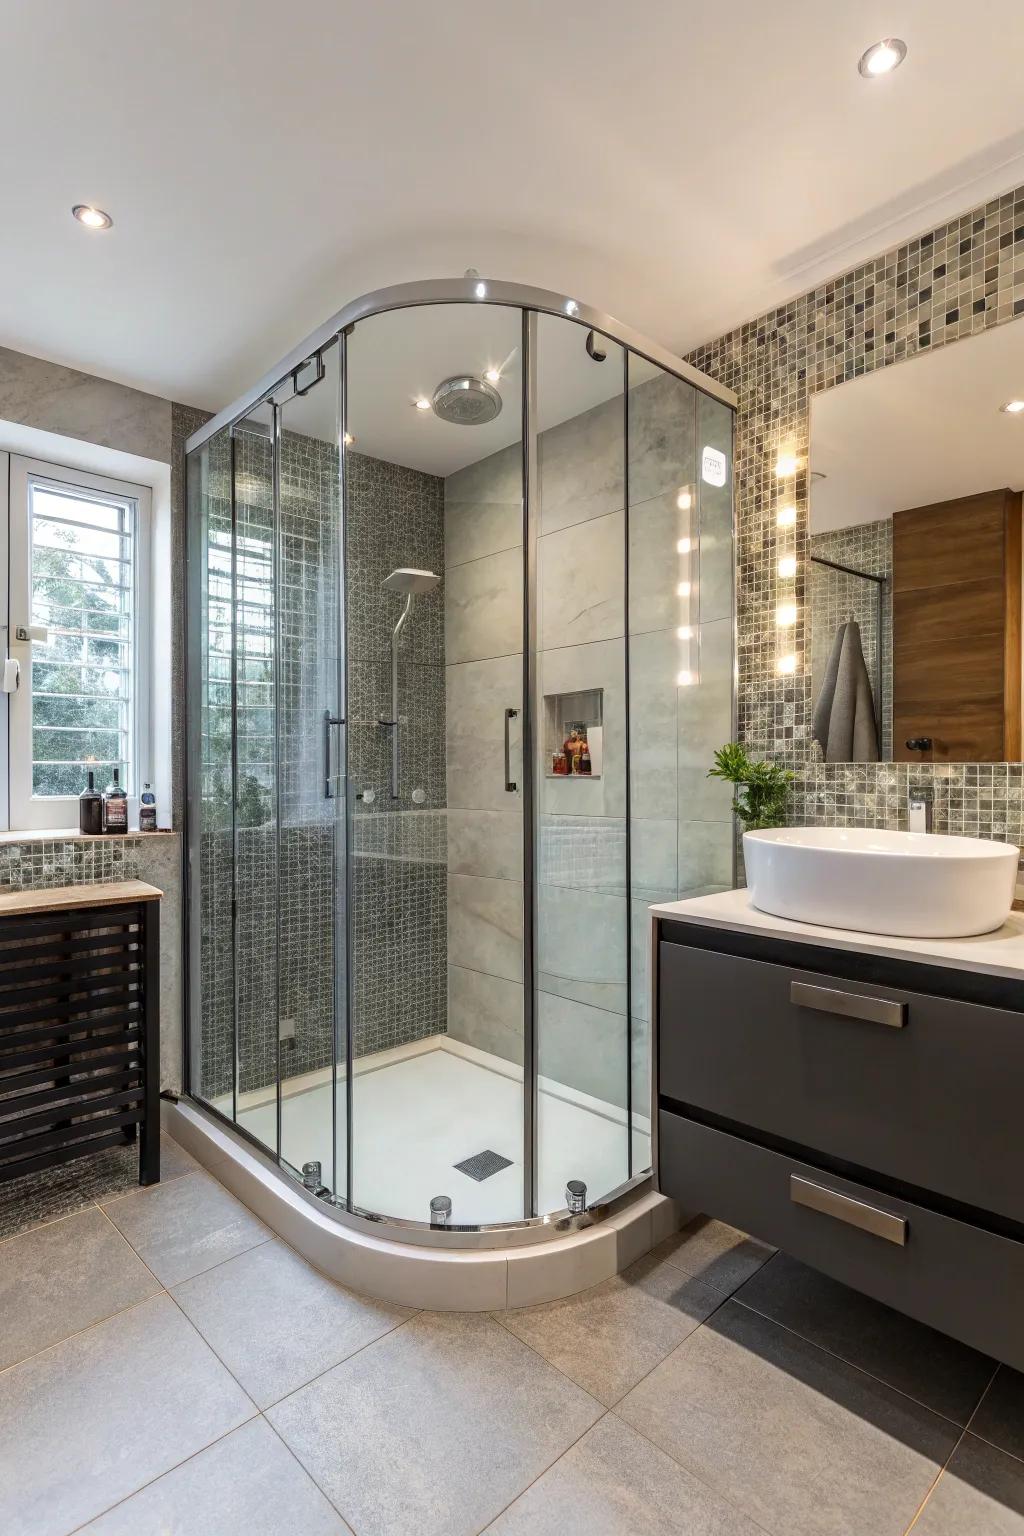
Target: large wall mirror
(914, 570)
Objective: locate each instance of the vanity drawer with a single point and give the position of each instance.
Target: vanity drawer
(958, 1278)
(922, 1089)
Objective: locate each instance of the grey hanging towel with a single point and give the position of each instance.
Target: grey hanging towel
(843, 722)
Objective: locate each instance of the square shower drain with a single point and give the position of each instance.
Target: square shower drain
(483, 1164)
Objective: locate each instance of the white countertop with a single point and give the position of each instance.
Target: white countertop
(996, 954)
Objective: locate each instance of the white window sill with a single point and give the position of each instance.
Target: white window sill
(72, 834)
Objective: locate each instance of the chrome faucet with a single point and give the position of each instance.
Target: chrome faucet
(919, 810)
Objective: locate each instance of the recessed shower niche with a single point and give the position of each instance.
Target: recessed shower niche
(404, 596)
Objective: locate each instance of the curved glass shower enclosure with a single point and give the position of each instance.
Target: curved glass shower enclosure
(460, 646)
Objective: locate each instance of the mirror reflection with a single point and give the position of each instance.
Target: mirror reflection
(914, 569)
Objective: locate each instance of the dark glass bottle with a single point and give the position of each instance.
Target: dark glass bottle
(115, 806)
(90, 808)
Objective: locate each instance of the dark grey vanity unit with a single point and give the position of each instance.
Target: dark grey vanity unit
(858, 1102)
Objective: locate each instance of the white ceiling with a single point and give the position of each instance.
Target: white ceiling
(929, 429)
(681, 164)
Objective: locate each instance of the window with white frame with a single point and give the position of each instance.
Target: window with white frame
(78, 622)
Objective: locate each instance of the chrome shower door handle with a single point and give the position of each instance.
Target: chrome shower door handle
(331, 789)
(510, 785)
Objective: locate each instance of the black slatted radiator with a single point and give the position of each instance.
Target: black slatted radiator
(79, 1035)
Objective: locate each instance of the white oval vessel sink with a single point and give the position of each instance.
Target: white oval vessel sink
(915, 885)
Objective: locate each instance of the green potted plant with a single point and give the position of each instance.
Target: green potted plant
(761, 787)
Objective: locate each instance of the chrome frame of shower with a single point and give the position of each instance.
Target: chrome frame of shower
(532, 302)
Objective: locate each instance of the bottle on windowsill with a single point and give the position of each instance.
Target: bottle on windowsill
(115, 806)
(90, 808)
(147, 810)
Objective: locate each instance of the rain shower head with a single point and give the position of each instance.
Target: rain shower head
(466, 401)
(411, 581)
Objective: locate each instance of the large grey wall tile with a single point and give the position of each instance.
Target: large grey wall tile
(473, 530)
(938, 1371)
(57, 399)
(609, 1337)
(705, 857)
(581, 578)
(487, 842)
(486, 1011)
(485, 925)
(581, 1047)
(582, 946)
(483, 608)
(661, 437)
(980, 1493)
(276, 1323)
(91, 1420)
(577, 669)
(433, 1430)
(613, 1482)
(581, 466)
(655, 661)
(496, 479)
(248, 1484)
(656, 566)
(478, 693)
(705, 724)
(801, 1441)
(653, 859)
(63, 1277)
(584, 853)
(182, 1228)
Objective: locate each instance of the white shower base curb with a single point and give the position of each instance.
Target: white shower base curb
(406, 1272)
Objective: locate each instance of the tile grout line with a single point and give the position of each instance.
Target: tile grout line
(77, 1334)
(853, 1366)
(307, 1473)
(946, 1464)
(544, 1470)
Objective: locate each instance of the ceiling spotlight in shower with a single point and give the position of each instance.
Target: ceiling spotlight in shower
(466, 401)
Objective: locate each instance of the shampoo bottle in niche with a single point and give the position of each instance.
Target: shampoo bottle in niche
(115, 806)
(90, 808)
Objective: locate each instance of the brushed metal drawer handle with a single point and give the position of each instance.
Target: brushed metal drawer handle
(850, 1005)
(816, 1197)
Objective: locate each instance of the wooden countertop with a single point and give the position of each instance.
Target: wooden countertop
(61, 898)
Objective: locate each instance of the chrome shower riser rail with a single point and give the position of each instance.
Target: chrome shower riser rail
(462, 290)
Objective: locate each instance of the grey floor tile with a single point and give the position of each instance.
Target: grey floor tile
(59, 1278)
(1001, 1415)
(248, 1484)
(434, 1429)
(981, 1493)
(276, 1323)
(609, 1337)
(715, 1252)
(613, 1482)
(174, 1160)
(185, 1226)
(90, 1421)
(805, 1444)
(936, 1370)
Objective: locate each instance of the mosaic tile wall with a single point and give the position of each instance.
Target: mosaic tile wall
(835, 597)
(933, 291)
(399, 869)
(395, 517)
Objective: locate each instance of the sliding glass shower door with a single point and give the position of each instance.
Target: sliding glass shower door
(267, 823)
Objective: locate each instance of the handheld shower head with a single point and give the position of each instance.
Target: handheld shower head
(410, 581)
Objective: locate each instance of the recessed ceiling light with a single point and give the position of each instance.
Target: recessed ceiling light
(92, 218)
(422, 403)
(883, 57)
(493, 375)
(1013, 407)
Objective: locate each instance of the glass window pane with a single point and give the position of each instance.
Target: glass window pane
(82, 554)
